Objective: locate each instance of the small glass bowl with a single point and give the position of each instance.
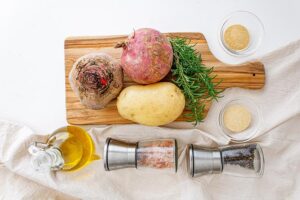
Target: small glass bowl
(254, 27)
(253, 128)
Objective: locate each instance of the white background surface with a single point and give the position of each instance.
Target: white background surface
(32, 36)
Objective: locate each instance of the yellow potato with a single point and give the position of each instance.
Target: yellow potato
(154, 105)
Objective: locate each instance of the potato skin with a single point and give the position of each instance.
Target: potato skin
(153, 105)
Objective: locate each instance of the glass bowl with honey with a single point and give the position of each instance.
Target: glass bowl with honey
(241, 33)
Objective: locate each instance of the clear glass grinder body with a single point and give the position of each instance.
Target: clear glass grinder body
(157, 154)
(245, 160)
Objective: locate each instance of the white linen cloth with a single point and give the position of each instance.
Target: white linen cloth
(279, 136)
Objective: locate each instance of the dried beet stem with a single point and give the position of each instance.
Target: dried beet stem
(121, 44)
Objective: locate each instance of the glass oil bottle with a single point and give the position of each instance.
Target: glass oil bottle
(69, 148)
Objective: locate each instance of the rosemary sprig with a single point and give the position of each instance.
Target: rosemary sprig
(193, 78)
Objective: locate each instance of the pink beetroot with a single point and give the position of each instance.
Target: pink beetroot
(147, 56)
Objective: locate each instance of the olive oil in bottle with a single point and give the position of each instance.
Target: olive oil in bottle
(69, 148)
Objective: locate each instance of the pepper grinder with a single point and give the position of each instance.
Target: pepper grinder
(245, 160)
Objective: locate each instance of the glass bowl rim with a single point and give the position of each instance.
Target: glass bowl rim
(221, 127)
(243, 52)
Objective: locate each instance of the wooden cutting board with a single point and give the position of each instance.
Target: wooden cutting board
(247, 75)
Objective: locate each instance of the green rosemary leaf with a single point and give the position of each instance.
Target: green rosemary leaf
(193, 78)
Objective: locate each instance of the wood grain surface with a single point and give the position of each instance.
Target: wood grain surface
(247, 75)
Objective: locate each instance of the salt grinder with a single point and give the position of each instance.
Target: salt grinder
(119, 154)
(156, 154)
